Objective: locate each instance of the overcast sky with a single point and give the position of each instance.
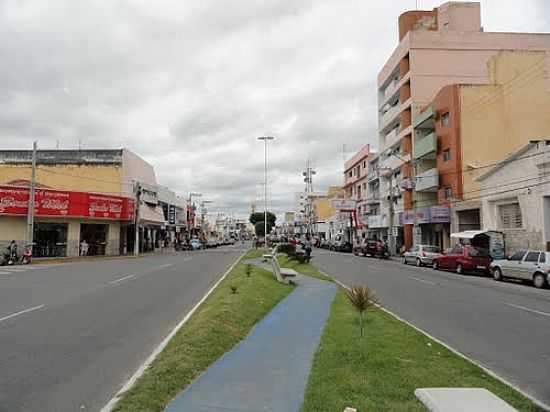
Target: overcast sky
(190, 84)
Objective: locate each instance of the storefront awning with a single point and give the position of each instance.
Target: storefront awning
(151, 215)
(470, 234)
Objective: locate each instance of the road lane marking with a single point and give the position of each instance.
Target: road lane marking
(13, 315)
(166, 265)
(422, 280)
(113, 282)
(15, 270)
(187, 259)
(5, 273)
(111, 404)
(527, 309)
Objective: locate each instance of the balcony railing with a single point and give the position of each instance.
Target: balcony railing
(373, 197)
(425, 116)
(391, 89)
(389, 116)
(391, 138)
(393, 162)
(427, 181)
(426, 147)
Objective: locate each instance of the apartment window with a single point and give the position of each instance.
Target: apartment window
(448, 192)
(364, 164)
(350, 173)
(446, 155)
(510, 216)
(445, 119)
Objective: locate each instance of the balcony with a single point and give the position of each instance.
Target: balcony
(373, 175)
(391, 89)
(425, 119)
(392, 138)
(427, 181)
(372, 198)
(393, 162)
(426, 147)
(388, 116)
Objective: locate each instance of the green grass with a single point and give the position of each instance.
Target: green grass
(303, 268)
(381, 371)
(220, 323)
(255, 253)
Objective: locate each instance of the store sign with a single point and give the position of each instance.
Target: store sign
(434, 214)
(172, 214)
(377, 221)
(55, 203)
(344, 204)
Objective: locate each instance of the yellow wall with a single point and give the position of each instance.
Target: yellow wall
(103, 179)
(12, 228)
(499, 118)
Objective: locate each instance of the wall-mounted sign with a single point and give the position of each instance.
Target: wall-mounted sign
(54, 203)
(172, 214)
(344, 204)
(434, 214)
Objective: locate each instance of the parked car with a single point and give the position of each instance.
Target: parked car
(421, 255)
(532, 265)
(324, 244)
(462, 259)
(340, 245)
(196, 244)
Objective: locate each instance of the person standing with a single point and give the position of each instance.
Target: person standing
(84, 248)
(307, 247)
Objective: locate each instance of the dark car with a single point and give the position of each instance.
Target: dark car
(462, 259)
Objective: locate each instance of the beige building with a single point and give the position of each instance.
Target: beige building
(85, 200)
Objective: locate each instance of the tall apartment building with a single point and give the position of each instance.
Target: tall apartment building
(440, 47)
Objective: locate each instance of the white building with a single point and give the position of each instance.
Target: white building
(515, 197)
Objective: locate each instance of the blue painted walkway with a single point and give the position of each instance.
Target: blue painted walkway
(269, 369)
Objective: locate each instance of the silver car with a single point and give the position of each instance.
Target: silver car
(421, 255)
(532, 265)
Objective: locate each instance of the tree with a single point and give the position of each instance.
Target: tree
(259, 228)
(362, 298)
(259, 217)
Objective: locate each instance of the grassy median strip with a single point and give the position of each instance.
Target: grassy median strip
(380, 371)
(303, 268)
(224, 319)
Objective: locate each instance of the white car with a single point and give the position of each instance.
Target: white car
(421, 255)
(532, 265)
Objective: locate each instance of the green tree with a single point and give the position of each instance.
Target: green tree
(259, 228)
(259, 217)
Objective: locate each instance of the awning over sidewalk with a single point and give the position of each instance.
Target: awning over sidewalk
(151, 214)
(470, 234)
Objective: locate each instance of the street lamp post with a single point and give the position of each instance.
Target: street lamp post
(265, 139)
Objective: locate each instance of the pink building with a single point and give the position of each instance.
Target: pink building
(355, 182)
(444, 46)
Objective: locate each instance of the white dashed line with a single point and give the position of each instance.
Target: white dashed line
(166, 265)
(113, 282)
(538, 312)
(422, 280)
(13, 315)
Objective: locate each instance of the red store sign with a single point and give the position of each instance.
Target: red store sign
(55, 203)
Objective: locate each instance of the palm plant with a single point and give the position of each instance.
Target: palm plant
(362, 298)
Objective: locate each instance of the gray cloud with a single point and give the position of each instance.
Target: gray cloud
(190, 85)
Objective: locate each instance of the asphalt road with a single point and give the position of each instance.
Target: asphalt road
(503, 326)
(72, 334)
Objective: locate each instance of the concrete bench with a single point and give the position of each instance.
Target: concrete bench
(461, 399)
(282, 274)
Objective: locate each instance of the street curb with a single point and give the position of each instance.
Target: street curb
(128, 385)
(455, 351)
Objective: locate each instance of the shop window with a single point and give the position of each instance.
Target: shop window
(50, 240)
(446, 155)
(93, 239)
(445, 119)
(510, 216)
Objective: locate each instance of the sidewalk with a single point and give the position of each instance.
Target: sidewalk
(269, 369)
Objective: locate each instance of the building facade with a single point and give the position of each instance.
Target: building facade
(437, 48)
(356, 171)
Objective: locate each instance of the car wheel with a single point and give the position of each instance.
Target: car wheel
(459, 269)
(435, 265)
(497, 274)
(539, 281)
(418, 262)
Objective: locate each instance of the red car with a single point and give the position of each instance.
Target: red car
(463, 258)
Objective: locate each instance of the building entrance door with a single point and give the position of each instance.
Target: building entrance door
(93, 239)
(50, 240)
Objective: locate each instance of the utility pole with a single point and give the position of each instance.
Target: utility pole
(308, 179)
(391, 238)
(30, 212)
(265, 139)
(137, 191)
